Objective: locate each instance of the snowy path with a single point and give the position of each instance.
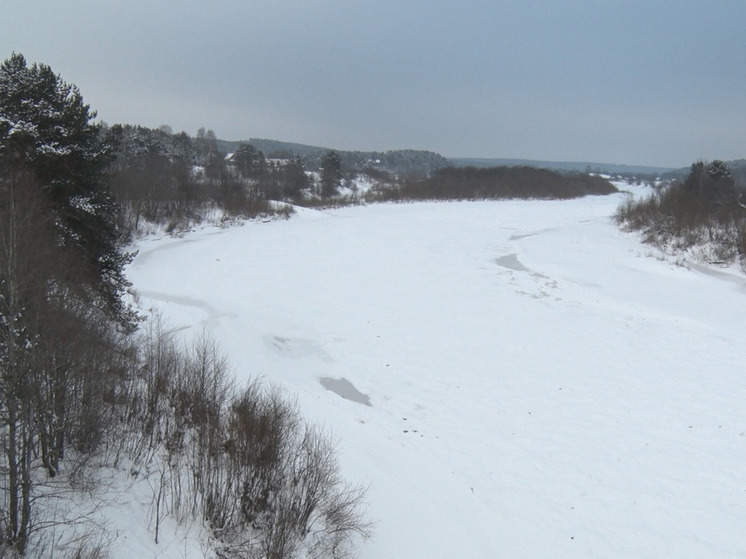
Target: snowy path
(535, 385)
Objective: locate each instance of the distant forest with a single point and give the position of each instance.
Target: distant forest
(403, 161)
(472, 183)
(159, 176)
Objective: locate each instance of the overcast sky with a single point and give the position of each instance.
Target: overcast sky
(655, 82)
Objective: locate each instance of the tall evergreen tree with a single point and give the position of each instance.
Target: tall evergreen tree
(331, 173)
(294, 178)
(47, 134)
(711, 183)
(250, 161)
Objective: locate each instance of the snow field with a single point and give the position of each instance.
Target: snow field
(538, 386)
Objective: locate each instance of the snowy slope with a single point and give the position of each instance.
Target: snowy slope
(512, 379)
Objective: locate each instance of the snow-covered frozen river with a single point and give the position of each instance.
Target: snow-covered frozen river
(526, 380)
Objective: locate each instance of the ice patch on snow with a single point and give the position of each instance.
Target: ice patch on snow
(511, 262)
(344, 388)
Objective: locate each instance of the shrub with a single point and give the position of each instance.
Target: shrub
(265, 482)
(702, 213)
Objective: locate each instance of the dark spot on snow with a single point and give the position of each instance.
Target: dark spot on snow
(345, 389)
(511, 262)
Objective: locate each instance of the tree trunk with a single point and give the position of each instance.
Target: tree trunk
(14, 485)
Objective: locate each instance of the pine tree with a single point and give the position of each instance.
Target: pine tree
(250, 162)
(331, 173)
(294, 178)
(711, 183)
(47, 134)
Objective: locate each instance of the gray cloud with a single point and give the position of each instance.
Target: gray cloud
(657, 83)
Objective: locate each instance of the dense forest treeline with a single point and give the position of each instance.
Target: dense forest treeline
(404, 162)
(612, 169)
(473, 183)
(159, 176)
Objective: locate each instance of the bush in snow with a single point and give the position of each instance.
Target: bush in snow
(265, 483)
(702, 214)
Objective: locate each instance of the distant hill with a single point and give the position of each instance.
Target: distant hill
(402, 161)
(274, 148)
(425, 162)
(580, 166)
